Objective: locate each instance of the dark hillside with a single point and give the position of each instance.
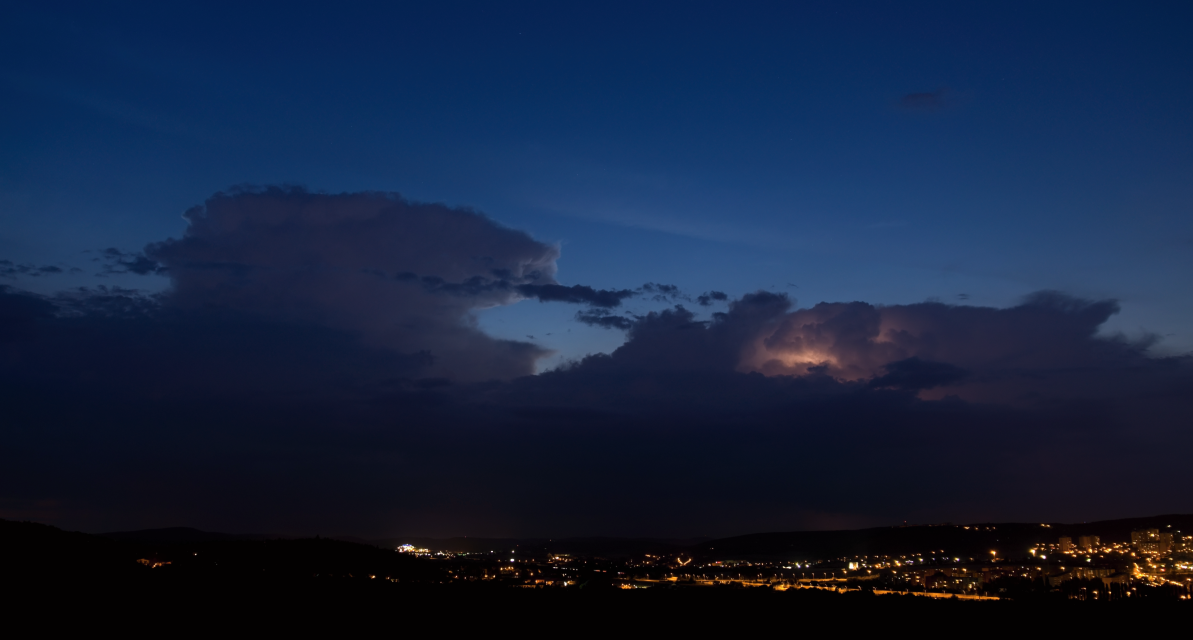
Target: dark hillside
(183, 534)
(37, 552)
(594, 546)
(32, 551)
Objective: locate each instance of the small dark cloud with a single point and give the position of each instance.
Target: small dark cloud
(117, 261)
(709, 297)
(478, 286)
(599, 318)
(663, 289)
(10, 269)
(666, 293)
(575, 294)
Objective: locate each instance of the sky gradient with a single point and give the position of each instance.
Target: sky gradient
(536, 269)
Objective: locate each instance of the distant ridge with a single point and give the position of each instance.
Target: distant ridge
(173, 535)
(596, 545)
(185, 534)
(1009, 540)
(43, 554)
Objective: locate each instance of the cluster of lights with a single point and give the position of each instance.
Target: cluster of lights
(933, 569)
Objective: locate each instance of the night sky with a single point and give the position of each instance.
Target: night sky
(556, 269)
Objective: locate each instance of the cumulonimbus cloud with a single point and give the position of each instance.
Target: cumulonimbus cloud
(289, 255)
(314, 329)
(395, 276)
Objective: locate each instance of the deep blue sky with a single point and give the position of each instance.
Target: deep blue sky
(710, 145)
(310, 364)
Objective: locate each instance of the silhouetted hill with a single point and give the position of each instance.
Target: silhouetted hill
(184, 534)
(31, 551)
(287, 561)
(1010, 540)
(594, 546)
(190, 534)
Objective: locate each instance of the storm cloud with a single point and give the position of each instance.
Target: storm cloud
(314, 366)
(1050, 339)
(291, 256)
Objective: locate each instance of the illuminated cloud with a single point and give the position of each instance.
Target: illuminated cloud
(1047, 346)
(1049, 335)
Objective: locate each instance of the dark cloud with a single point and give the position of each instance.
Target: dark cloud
(676, 339)
(314, 367)
(288, 255)
(297, 278)
(156, 415)
(576, 294)
(123, 344)
(10, 269)
(480, 285)
(117, 261)
(598, 318)
(335, 273)
(662, 292)
(1049, 335)
(707, 298)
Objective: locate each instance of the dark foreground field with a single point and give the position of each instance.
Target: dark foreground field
(341, 608)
